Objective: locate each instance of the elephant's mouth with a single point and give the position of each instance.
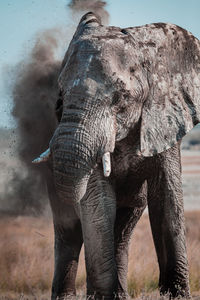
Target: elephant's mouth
(45, 156)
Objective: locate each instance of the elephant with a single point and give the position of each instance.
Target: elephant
(127, 98)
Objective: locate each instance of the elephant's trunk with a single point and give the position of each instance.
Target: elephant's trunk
(76, 149)
(73, 159)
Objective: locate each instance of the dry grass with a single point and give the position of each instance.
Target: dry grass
(26, 259)
(26, 254)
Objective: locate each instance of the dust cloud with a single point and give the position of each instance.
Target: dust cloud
(34, 93)
(91, 5)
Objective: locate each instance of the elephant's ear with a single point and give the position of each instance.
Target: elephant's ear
(172, 107)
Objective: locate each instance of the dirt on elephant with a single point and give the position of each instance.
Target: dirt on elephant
(26, 259)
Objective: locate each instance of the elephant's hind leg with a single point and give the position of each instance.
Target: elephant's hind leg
(165, 202)
(126, 220)
(68, 242)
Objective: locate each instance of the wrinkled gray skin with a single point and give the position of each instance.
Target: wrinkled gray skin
(135, 93)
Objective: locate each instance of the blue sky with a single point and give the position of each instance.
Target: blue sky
(20, 20)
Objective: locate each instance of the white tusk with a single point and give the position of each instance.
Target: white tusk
(43, 157)
(106, 164)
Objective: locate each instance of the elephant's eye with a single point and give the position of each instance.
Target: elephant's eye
(59, 106)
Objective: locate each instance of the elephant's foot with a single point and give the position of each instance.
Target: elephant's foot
(114, 296)
(64, 296)
(123, 296)
(176, 291)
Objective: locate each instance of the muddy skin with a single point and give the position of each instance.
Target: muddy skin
(127, 92)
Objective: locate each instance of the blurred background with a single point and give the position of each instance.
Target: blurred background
(34, 37)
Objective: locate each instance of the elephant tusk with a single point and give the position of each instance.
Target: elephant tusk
(106, 164)
(43, 157)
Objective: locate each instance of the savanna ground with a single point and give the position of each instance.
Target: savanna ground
(26, 250)
(26, 258)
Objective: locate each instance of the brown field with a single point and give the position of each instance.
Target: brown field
(191, 179)
(26, 259)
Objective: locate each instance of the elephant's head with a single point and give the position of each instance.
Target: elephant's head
(114, 79)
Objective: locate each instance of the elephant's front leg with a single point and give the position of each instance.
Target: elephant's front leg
(97, 212)
(165, 201)
(68, 242)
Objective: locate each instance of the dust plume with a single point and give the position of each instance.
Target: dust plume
(34, 93)
(96, 6)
